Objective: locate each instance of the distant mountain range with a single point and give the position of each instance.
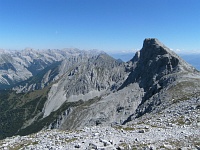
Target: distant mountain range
(18, 66)
(72, 89)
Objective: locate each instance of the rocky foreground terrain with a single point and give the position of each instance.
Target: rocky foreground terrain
(175, 128)
(96, 102)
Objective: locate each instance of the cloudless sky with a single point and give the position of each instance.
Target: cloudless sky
(109, 25)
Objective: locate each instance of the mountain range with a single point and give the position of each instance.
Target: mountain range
(72, 89)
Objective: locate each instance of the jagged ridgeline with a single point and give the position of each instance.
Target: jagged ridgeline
(71, 89)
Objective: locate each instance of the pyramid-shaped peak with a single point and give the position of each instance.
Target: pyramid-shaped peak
(152, 41)
(152, 46)
(154, 50)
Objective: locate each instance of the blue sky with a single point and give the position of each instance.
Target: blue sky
(109, 25)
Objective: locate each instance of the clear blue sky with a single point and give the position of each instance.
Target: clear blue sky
(109, 25)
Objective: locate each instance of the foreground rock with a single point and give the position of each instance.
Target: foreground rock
(176, 127)
(108, 138)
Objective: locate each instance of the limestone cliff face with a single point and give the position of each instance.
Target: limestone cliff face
(86, 80)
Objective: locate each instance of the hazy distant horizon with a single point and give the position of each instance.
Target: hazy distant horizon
(120, 52)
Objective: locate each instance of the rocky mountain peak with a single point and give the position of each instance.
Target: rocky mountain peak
(151, 41)
(152, 48)
(156, 65)
(155, 51)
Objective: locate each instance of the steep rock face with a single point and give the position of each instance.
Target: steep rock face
(156, 69)
(153, 62)
(86, 80)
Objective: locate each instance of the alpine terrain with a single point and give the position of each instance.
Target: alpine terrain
(75, 99)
